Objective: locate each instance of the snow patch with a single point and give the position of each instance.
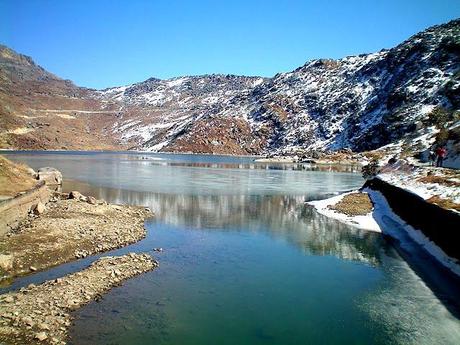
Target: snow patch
(366, 222)
(382, 210)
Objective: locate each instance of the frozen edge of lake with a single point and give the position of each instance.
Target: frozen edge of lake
(366, 222)
(376, 221)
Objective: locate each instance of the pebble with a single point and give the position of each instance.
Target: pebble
(46, 307)
(28, 320)
(41, 336)
(43, 326)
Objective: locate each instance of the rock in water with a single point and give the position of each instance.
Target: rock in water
(51, 176)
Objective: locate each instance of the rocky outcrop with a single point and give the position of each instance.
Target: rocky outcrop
(51, 176)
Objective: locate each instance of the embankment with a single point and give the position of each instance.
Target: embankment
(439, 225)
(14, 210)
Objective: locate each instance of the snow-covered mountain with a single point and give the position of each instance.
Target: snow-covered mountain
(171, 107)
(359, 102)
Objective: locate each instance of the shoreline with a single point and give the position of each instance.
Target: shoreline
(385, 220)
(69, 229)
(53, 230)
(42, 314)
(2, 150)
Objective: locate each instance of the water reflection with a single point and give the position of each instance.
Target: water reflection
(196, 175)
(245, 262)
(280, 216)
(162, 159)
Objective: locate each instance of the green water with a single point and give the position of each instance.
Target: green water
(245, 262)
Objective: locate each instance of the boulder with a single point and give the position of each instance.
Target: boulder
(91, 200)
(6, 262)
(51, 176)
(32, 172)
(76, 195)
(38, 208)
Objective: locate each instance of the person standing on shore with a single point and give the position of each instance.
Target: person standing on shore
(441, 153)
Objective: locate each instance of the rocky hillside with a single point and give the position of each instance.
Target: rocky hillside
(359, 102)
(41, 111)
(184, 114)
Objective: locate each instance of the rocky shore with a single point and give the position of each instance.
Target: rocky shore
(69, 227)
(42, 314)
(53, 228)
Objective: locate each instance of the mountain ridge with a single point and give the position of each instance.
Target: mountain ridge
(360, 102)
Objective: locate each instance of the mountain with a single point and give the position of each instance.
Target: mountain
(186, 114)
(359, 102)
(38, 110)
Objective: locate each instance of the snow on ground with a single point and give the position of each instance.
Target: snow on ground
(366, 222)
(383, 219)
(391, 224)
(176, 81)
(409, 181)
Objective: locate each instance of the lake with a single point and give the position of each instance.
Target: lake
(245, 261)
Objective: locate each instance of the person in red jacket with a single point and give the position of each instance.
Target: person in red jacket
(441, 153)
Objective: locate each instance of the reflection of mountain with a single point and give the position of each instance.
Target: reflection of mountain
(281, 216)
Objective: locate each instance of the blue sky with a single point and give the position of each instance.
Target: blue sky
(109, 43)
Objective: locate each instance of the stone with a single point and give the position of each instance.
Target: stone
(9, 299)
(41, 336)
(6, 262)
(32, 172)
(76, 195)
(51, 176)
(27, 320)
(43, 326)
(91, 200)
(39, 208)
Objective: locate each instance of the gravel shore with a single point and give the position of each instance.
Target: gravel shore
(42, 314)
(66, 230)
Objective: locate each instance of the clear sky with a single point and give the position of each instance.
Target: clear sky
(110, 43)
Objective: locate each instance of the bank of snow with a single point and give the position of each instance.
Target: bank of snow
(392, 225)
(365, 222)
(383, 219)
(410, 181)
